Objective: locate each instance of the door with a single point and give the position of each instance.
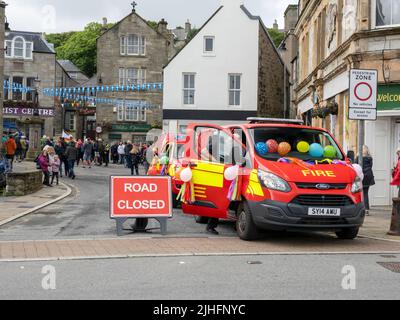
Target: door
(379, 140)
(211, 151)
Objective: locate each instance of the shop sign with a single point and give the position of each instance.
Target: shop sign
(28, 112)
(389, 97)
(113, 136)
(131, 127)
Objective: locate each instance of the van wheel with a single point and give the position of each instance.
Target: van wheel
(245, 227)
(201, 220)
(348, 234)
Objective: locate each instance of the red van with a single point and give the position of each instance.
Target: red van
(283, 189)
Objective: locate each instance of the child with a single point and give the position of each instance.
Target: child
(55, 168)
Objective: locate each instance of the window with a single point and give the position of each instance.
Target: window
(188, 89)
(131, 110)
(70, 121)
(209, 44)
(123, 46)
(120, 110)
(17, 94)
(132, 76)
(235, 89)
(387, 12)
(30, 83)
(19, 48)
(9, 48)
(133, 45)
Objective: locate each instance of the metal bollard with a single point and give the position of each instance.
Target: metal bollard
(395, 225)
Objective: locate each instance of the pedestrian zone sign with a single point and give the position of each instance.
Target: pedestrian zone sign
(363, 94)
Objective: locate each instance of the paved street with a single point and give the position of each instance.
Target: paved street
(241, 278)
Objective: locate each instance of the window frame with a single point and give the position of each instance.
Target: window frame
(189, 89)
(373, 17)
(10, 46)
(205, 45)
(234, 90)
(133, 45)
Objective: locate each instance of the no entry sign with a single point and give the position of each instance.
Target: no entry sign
(141, 197)
(363, 94)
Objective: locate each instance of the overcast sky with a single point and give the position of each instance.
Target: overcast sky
(65, 15)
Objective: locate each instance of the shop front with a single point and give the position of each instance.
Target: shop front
(136, 133)
(383, 139)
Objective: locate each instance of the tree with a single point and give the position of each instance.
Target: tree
(153, 24)
(79, 47)
(277, 36)
(192, 33)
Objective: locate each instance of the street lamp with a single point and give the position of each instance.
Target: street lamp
(7, 28)
(36, 100)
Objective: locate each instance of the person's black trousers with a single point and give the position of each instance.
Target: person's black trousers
(46, 180)
(54, 175)
(135, 169)
(366, 197)
(212, 223)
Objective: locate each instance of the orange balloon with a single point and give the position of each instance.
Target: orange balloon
(284, 149)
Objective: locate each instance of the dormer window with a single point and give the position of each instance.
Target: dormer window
(19, 48)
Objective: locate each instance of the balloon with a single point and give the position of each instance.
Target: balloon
(358, 169)
(231, 173)
(303, 147)
(262, 148)
(272, 146)
(330, 152)
(164, 160)
(284, 148)
(186, 175)
(152, 172)
(316, 150)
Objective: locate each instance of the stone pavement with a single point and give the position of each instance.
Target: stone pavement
(156, 247)
(377, 225)
(12, 208)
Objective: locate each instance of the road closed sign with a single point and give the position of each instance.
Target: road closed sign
(140, 197)
(363, 94)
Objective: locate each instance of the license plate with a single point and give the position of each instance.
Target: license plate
(324, 212)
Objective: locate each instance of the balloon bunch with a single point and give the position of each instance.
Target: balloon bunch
(272, 146)
(316, 150)
(232, 174)
(164, 161)
(186, 194)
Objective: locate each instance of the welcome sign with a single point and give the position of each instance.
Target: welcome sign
(389, 97)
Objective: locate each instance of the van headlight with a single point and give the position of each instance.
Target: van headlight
(357, 185)
(273, 182)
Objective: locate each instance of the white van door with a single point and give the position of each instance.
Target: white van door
(379, 140)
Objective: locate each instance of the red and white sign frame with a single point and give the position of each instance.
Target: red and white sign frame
(363, 94)
(167, 214)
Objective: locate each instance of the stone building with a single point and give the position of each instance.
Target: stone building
(132, 53)
(30, 62)
(334, 37)
(228, 72)
(73, 71)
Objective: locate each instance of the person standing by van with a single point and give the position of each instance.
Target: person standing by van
(369, 179)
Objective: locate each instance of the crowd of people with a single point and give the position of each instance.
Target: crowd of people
(60, 158)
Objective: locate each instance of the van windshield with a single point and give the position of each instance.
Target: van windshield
(322, 143)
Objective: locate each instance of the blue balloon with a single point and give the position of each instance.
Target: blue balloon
(316, 150)
(262, 148)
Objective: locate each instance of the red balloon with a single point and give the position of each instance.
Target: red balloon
(272, 146)
(284, 149)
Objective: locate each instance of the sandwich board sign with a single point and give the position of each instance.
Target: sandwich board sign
(141, 197)
(363, 94)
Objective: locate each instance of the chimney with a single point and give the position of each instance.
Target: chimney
(188, 26)
(276, 26)
(162, 26)
(291, 16)
(104, 27)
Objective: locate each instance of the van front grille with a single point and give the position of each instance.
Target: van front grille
(323, 201)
